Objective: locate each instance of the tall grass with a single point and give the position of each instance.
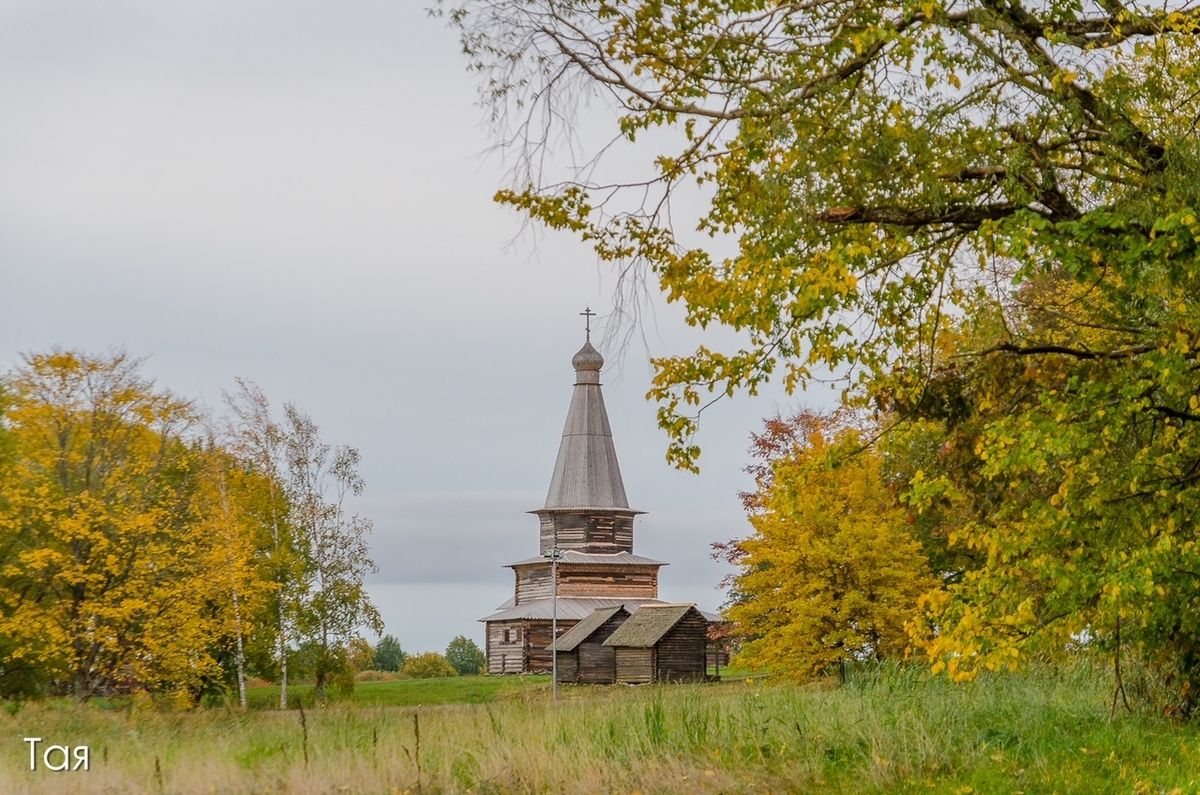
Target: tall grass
(889, 729)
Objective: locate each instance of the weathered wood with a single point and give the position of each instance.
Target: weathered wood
(537, 638)
(591, 662)
(636, 581)
(609, 581)
(586, 531)
(568, 667)
(681, 651)
(533, 582)
(634, 666)
(505, 647)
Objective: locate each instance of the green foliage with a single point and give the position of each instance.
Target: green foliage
(388, 654)
(427, 666)
(985, 219)
(465, 656)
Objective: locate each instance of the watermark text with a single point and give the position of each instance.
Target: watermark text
(57, 758)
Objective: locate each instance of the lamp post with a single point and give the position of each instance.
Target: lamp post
(554, 554)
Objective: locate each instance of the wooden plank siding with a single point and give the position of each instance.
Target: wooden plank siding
(533, 582)
(523, 649)
(537, 638)
(608, 581)
(597, 663)
(634, 666)
(568, 666)
(586, 532)
(591, 662)
(505, 647)
(633, 581)
(680, 654)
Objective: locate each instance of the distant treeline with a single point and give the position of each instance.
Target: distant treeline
(148, 544)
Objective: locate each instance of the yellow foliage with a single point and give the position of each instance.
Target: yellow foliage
(831, 572)
(122, 554)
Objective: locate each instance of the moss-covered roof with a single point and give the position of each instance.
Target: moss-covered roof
(647, 626)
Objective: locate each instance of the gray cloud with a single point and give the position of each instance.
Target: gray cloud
(290, 191)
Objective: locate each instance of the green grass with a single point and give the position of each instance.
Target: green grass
(409, 692)
(889, 730)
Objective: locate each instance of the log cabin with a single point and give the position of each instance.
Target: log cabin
(661, 643)
(587, 527)
(582, 656)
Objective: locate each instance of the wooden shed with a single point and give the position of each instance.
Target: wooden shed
(581, 653)
(661, 643)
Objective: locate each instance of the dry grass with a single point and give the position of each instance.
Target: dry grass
(892, 730)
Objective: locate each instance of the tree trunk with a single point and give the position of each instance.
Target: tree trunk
(283, 702)
(241, 651)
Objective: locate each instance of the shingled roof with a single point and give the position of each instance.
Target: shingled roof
(586, 473)
(584, 629)
(647, 626)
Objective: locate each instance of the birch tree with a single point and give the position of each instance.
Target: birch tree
(259, 442)
(333, 542)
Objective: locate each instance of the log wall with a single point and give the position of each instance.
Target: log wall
(634, 666)
(587, 532)
(537, 638)
(608, 581)
(597, 662)
(568, 667)
(681, 652)
(505, 653)
(533, 581)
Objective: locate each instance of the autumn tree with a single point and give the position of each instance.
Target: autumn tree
(360, 654)
(871, 174)
(831, 572)
(331, 541)
(257, 439)
(228, 499)
(109, 572)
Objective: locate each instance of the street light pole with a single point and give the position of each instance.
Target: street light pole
(554, 623)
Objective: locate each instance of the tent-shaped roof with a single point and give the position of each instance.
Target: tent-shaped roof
(647, 626)
(586, 473)
(585, 628)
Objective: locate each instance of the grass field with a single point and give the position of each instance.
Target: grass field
(888, 730)
(410, 692)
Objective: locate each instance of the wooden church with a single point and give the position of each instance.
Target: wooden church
(588, 524)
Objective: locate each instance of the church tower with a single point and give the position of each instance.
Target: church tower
(587, 518)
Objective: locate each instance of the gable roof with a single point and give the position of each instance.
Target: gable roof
(585, 628)
(647, 626)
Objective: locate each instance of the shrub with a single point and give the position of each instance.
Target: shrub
(427, 666)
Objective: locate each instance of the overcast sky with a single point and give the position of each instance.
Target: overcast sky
(293, 192)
